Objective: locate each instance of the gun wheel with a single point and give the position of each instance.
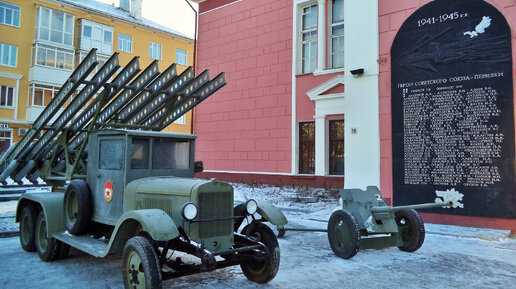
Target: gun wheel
(343, 234)
(140, 264)
(77, 207)
(264, 271)
(27, 228)
(412, 230)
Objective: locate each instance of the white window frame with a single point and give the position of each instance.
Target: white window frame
(41, 49)
(181, 57)
(10, 131)
(181, 120)
(155, 50)
(15, 12)
(66, 32)
(332, 36)
(12, 52)
(125, 43)
(13, 96)
(311, 42)
(54, 90)
(103, 45)
(101, 59)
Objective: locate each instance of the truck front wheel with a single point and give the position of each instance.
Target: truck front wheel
(263, 271)
(140, 264)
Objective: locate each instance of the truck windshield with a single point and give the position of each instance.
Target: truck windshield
(170, 154)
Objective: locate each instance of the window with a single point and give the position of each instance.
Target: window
(181, 57)
(140, 153)
(337, 34)
(9, 14)
(155, 50)
(53, 57)
(55, 26)
(101, 60)
(309, 39)
(41, 94)
(5, 140)
(6, 96)
(111, 154)
(96, 35)
(336, 147)
(8, 55)
(170, 154)
(181, 120)
(307, 148)
(125, 43)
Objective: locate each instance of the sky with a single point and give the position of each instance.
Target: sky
(174, 14)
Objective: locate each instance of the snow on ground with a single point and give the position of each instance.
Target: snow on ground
(451, 257)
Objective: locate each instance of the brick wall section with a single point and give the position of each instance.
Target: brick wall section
(392, 14)
(246, 126)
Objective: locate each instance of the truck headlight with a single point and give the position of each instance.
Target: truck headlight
(251, 206)
(189, 211)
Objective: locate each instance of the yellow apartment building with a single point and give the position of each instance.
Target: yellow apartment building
(42, 41)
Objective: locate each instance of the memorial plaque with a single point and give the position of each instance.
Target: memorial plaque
(452, 109)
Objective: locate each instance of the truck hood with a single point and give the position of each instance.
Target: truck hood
(165, 185)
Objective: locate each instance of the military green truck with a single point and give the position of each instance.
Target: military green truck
(121, 185)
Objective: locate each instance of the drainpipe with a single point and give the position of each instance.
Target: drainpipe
(194, 57)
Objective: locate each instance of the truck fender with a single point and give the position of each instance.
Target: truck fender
(155, 222)
(52, 206)
(268, 211)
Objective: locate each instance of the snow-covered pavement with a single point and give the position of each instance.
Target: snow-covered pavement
(451, 257)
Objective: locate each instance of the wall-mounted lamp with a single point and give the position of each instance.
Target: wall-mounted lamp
(357, 72)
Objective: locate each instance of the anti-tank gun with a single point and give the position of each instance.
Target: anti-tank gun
(121, 185)
(365, 221)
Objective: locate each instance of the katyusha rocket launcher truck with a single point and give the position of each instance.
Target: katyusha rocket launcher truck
(120, 185)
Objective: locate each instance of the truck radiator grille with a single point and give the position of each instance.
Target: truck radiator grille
(215, 206)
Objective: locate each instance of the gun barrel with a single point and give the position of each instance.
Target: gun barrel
(419, 206)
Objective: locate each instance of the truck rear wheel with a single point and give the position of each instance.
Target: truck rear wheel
(263, 271)
(48, 248)
(413, 230)
(343, 234)
(27, 228)
(140, 264)
(77, 207)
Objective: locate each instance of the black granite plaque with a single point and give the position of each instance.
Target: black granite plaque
(452, 108)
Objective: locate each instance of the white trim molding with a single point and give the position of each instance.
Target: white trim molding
(317, 92)
(16, 90)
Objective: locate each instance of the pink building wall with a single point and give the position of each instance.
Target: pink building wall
(392, 14)
(246, 126)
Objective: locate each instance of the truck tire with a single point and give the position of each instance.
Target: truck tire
(48, 248)
(140, 264)
(413, 235)
(77, 207)
(27, 228)
(262, 272)
(343, 234)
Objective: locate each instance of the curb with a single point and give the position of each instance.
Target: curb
(9, 234)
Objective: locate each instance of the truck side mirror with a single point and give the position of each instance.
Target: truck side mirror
(198, 167)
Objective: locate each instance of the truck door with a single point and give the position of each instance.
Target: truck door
(110, 183)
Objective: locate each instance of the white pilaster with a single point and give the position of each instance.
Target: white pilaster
(321, 35)
(320, 145)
